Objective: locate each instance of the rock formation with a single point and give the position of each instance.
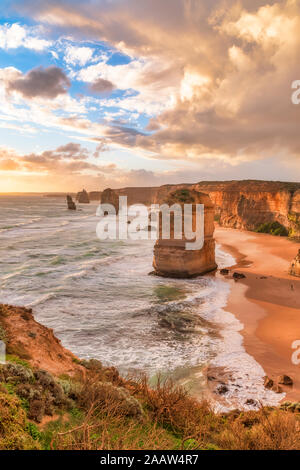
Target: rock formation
(238, 204)
(295, 266)
(95, 195)
(171, 258)
(109, 196)
(83, 197)
(71, 204)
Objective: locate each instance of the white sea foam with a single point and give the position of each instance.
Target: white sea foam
(109, 308)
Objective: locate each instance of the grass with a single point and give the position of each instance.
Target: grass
(102, 411)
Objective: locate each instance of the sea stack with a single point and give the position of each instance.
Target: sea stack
(109, 196)
(171, 258)
(295, 266)
(71, 204)
(83, 197)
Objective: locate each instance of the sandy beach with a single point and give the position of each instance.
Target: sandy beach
(267, 301)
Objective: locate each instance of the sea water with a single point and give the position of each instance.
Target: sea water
(101, 302)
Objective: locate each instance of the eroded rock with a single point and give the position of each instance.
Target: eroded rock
(83, 197)
(71, 204)
(295, 266)
(285, 380)
(171, 257)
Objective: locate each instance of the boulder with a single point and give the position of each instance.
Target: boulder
(295, 266)
(268, 383)
(238, 276)
(285, 380)
(71, 204)
(224, 272)
(83, 197)
(222, 389)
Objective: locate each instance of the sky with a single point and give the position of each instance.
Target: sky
(116, 93)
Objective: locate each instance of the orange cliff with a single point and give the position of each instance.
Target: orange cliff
(238, 204)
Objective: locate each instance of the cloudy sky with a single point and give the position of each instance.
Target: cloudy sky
(146, 92)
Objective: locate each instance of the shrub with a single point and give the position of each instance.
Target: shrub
(14, 433)
(274, 228)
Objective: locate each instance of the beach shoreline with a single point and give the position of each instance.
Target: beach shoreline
(266, 301)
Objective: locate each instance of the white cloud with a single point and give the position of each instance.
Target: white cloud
(14, 35)
(155, 82)
(78, 55)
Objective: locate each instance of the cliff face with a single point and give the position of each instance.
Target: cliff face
(238, 204)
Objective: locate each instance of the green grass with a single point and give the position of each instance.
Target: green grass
(273, 228)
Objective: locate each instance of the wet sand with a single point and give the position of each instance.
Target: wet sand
(267, 301)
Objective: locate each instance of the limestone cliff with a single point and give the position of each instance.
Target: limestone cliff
(238, 204)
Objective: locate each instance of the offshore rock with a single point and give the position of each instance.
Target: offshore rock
(171, 258)
(109, 196)
(71, 204)
(83, 197)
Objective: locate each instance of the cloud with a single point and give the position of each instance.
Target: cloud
(41, 82)
(102, 86)
(75, 55)
(14, 35)
(214, 77)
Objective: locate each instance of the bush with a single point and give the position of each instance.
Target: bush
(14, 433)
(274, 228)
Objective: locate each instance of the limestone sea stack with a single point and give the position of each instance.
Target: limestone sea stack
(109, 196)
(83, 197)
(295, 266)
(71, 203)
(171, 258)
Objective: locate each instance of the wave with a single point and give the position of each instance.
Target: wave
(5, 228)
(42, 299)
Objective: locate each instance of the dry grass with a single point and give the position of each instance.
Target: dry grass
(173, 420)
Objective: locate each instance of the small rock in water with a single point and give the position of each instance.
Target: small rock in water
(222, 389)
(238, 276)
(224, 272)
(251, 402)
(268, 383)
(285, 380)
(277, 389)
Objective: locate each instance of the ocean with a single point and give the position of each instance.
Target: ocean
(101, 302)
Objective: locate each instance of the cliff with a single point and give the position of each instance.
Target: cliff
(90, 407)
(238, 204)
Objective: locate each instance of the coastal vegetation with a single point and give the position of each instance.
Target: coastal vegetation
(273, 228)
(93, 407)
(104, 411)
